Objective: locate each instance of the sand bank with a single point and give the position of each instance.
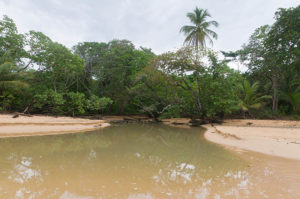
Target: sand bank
(45, 125)
(273, 137)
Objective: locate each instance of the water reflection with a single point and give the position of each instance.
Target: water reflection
(132, 161)
(22, 172)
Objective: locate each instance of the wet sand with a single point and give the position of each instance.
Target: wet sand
(272, 137)
(45, 125)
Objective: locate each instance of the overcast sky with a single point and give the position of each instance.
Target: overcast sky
(150, 23)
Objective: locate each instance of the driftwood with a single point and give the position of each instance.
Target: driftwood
(199, 122)
(15, 116)
(178, 123)
(23, 113)
(118, 121)
(195, 122)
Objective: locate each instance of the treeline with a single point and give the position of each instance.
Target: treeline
(42, 76)
(38, 75)
(273, 59)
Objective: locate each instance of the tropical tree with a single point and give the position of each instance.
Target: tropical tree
(249, 98)
(93, 55)
(197, 33)
(273, 51)
(153, 93)
(205, 86)
(11, 40)
(57, 67)
(10, 81)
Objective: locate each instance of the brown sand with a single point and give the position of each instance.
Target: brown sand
(45, 125)
(273, 137)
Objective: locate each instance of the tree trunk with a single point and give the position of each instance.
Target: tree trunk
(121, 107)
(199, 105)
(275, 94)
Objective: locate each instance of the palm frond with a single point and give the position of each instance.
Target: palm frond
(293, 98)
(187, 29)
(212, 33)
(256, 105)
(249, 98)
(213, 23)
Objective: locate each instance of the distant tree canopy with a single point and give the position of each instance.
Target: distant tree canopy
(38, 75)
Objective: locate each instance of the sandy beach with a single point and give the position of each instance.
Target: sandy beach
(45, 125)
(272, 137)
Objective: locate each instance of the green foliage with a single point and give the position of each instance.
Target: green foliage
(95, 104)
(293, 98)
(10, 82)
(9, 76)
(173, 111)
(200, 89)
(218, 85)
(110, 69)
(11, 41)
(49, 101)
(71, 103)
(249, 98)
(43, 76)
(75, 103)
(7, 100)
(272, 52)
(93, 55)
(152, 93)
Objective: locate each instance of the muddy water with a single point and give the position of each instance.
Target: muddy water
(139, 161)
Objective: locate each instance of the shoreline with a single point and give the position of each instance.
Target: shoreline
(36, 125)
(275, 138)
(279, 138)
(271, 137)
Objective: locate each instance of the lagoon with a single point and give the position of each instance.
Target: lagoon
(133, 161)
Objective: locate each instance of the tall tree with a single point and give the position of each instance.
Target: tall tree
(197, 33)
(93, 54)
(11, 83)
(273, 50)
(206, 87)
(11, 40)
(152, 92)
(57, 67)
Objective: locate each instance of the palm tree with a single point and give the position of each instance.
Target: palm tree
(293, 98)
(199, 32)
(249, 98)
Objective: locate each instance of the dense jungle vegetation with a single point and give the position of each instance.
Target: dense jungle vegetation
(39, 75)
